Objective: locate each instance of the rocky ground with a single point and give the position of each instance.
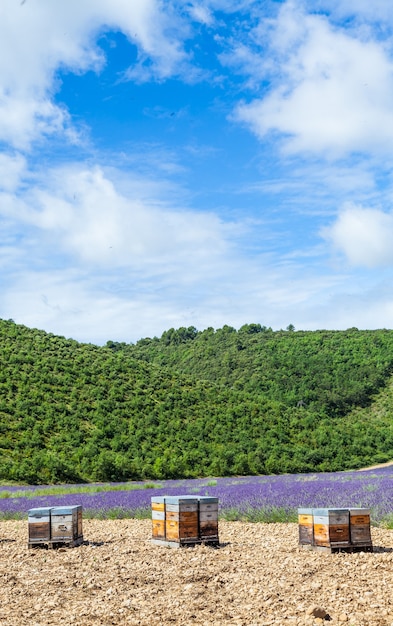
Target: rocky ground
(258, 576)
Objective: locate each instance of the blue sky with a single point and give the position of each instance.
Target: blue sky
(167, 163)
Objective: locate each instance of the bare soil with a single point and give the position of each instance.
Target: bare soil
(371, 467)
(257, 577)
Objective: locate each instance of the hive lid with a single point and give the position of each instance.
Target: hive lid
(208, 499)
(65, 510)
(327, 512)
(158, 499)
(177, 499)
(305, 511)
(39, 511)
(356, 511)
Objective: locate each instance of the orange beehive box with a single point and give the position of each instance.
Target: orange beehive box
(181, 516)
(181, 532)
(331, 527)
(181, 519)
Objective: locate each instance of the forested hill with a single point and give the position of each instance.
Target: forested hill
(329, 371)
(192, 403)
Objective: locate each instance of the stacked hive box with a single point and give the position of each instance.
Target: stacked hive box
(182, 520)
(331, 528)
(306, 527)
(39, 525)
(55, 525)
(66, 524)
(158, 517)
(359, 527)
(208, 518)
(335, 529)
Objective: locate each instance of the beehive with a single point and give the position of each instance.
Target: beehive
(335, 529)
(66, 524)
(359, 527)
(331, 528)
(208, 518)
(158, 517)
(181, 519)
(306, 527)
(39, 525)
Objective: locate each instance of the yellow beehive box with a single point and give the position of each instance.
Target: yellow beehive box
(158, 517)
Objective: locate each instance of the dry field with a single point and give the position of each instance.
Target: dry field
(258, 576)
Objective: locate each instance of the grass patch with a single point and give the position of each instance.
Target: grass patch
(266, 516)
(117, 513)
(14, 515)
(387, 522)
(64, 490)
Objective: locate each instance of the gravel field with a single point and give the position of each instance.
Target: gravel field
(258, 576)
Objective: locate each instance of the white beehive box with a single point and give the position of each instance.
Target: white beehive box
(66, 523)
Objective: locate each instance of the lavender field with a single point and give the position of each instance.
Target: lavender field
(250, 498)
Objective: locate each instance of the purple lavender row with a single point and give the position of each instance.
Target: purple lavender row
(243, 495)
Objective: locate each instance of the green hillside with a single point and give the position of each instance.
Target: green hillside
(192, 404)
(329, 371)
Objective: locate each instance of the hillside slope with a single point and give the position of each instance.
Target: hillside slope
(332, 371)
(78, 412)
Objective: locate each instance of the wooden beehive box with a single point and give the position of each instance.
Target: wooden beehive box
(331, 528)
(66, 524)
(181, 519)
(39, 524)
(208, 518)
(360, 527)
(306, 527)
(158, 517)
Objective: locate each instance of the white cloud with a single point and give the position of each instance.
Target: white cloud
(192, 272)
(126, 305)
(93, 221)
(201, 13)
(12, 168)
(70, 303)
(363, 235)
(133, 266)
(378, 10)
(38, 38)
(333, 94)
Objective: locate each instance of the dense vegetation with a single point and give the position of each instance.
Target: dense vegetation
(192, 403)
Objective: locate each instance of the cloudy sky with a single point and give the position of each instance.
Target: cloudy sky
(168, 163)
